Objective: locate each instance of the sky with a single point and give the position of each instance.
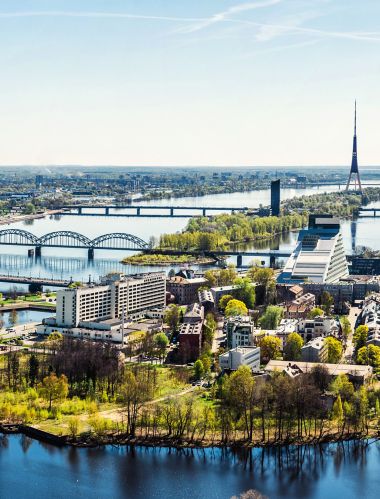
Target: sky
(189, 82)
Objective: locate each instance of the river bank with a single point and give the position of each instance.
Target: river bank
(166, 260)
(11, 219)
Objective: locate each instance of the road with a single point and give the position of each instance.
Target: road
(352, 317)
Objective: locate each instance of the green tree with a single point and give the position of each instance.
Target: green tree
(33, 369)
(346, 327)
(360, 337)
(369, 355)
(245, 291)
(161, 342)
(343, 387)
(54, 388)
(337, 411)
(327, 301)
(315, 312)
(292, 349)
(199, 369)
(172, 316)
(264, 278)
(270, 348)
(224, 301)
(272, 317)
(235, 307)
(334, 350)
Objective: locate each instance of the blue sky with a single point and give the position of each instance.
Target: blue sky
(195, 82)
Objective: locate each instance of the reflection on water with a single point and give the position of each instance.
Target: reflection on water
(347, 469)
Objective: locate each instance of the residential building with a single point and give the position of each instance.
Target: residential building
(190, 341)
(219, 291)
(194, 313)
(185, 290)
(314, 351)
(240, 331)
(206, 299)
(319, 255)
(319, 326)
(240, 356)
(356, 373)
(95, 307)
(300, 307)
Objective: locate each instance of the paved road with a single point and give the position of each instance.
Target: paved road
(352, 317)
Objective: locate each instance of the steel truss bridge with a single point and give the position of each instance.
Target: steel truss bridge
(70, 239)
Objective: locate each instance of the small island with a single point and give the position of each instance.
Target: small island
(157, 259)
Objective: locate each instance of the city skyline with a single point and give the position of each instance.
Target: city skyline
(266, 82)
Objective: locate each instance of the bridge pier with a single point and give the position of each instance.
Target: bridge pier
(204, 212)
(107, 210)
(171, 212)
(272, 261)
(239, 261)
(38, 251)
(35, 288)
(90, 253)
(80, 210)
(138, 211)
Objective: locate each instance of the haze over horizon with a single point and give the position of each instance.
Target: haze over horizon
(176, 83)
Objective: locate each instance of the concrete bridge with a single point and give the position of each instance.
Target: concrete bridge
(146, 210)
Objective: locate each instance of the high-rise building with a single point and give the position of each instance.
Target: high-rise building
(354, 171)
(115, 294)
(275, 200)
(319, 255)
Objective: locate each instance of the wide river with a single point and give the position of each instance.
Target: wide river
(60, 263)
(29, 469)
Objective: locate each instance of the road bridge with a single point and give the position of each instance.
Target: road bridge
(109, 210)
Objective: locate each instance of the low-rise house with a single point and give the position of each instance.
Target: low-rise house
(240, 356)
(356, 373)
(300, 307)
(319, 326)
(314, 351)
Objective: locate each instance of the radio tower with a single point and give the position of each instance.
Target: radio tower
(354, 163)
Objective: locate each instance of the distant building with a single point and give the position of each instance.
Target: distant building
(314, 351)
(206, 299)
(300, 307)
(185, 290)
(240, 356)
(319, 256)
(275, 202)
(194, 313)
(218, 292)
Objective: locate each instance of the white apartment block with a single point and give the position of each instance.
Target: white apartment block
(241, 356)
(135, 294)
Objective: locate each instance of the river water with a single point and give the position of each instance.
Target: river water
(63, 262)
(29, 469)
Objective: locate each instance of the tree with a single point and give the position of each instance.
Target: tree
(334, 350)
(33, 369)
(292, 350)
(161, 341)
(172, 316)
(327, 301)
(235, 307)
(265, 280)
(270, 348)
(224, 301)
(346, 327)
(343, 387)
(315, 312)
(369, 355)
(199, 369)
(54, 388)
(272, 316)
(245, 291)
(73, 424)
(360, 337)
(337, 411)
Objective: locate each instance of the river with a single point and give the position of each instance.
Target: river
(63, 262)
(30, 469)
